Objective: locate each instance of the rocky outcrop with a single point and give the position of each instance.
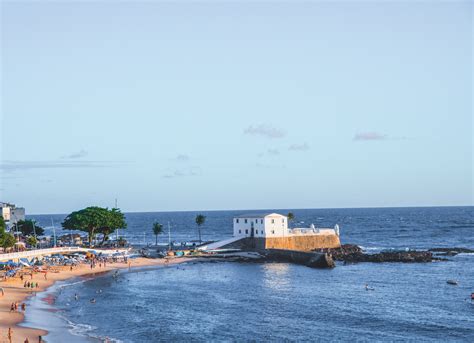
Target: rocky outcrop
(353, 254)
(450, 251)
(310, 259)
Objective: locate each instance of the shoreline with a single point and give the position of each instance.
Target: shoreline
(16, 292)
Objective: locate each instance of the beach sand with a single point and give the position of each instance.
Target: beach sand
(15, 292)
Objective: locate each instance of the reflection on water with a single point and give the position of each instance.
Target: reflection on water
(276, 276)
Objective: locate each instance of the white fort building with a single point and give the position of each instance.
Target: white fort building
(270, 231)
(272, 225)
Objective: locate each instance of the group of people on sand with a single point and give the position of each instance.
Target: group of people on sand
(31, 284)
(10, 337)
(14, 307)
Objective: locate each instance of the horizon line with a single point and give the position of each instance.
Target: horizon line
(277, 209)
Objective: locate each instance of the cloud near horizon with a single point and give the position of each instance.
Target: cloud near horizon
(80, 154)
(182, 157)
(266, 131)
(299, 147)
(369, 136)
(193, 171)
(9, 166)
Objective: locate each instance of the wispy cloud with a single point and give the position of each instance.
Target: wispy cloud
(265, 131)
(269, 152)
(28, 165)
(75, 155)
(193, 171)
(299, 147)
(273, 152)
(270, 166)
(369, 136)
(182, 158)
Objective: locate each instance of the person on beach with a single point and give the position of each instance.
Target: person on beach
(27, 340)
(40, 339)
(46, 275)
(12, 307)
(23, 307)
(3, 292)
(10, 335)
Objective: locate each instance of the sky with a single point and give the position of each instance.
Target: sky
(188, 105)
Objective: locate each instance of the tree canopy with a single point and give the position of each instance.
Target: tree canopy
(29, 228)
(95, 220)
(157, 229)
(200, 220)
(7, 240)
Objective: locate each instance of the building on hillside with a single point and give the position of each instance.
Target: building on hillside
(270, 231)
(11, 214)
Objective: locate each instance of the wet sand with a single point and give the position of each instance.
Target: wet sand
(16, 292)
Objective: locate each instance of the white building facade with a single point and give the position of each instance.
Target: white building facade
(261, 225)
(11, 214)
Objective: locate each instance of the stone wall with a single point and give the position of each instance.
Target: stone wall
(303, 242)
(297, 242)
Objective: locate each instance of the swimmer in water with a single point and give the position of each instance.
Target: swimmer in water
(92, 301)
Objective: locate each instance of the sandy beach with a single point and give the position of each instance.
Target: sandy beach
(15, 292)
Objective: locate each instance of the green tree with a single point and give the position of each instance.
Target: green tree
(94, 220)
(290, 216)
(115, 220)
(89, 220)
(200, 220)
(29, 227)
(3, 226)
(7, 240)
(32, 241)
(157, 229)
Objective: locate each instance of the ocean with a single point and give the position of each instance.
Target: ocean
(279, 301)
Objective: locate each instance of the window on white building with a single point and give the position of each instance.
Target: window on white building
(273, 232)
(283, 220)
(245, 221)
(237, 220)
(240, 231)
(246, 231)
(273, 221)
(262, 232)
(261, 221)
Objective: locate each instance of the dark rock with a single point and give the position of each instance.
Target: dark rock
(352, 253)
(450, 251)
(310, 259)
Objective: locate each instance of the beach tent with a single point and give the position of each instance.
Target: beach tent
(25, 262)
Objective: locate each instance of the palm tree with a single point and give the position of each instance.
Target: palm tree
(290, 216)
(157, 229)
(200, 219)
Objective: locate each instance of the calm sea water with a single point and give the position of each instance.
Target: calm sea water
(276, 302)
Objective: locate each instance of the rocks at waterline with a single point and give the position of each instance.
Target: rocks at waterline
(353, 254)
(451, 251)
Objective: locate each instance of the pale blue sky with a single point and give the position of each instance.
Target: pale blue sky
(242, 105)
